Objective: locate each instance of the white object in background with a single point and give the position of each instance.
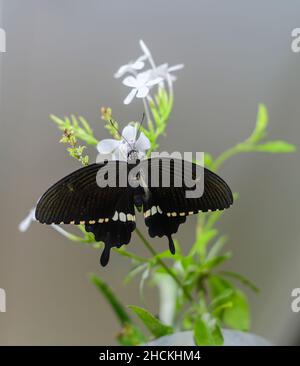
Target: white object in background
(231, 338)
(2, 301)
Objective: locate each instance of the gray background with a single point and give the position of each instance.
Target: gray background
(60, 59)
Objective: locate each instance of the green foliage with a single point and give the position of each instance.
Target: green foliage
(160, 108)
(78, 126)
(207, 332)
(74, 151)
(255, 143)
(203, 297)
(116, 305)
(154, 325)
(130, 334)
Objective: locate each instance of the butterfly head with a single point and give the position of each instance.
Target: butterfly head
(133, 156)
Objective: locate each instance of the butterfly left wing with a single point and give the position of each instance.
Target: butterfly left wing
(107, 212)
(165, 208)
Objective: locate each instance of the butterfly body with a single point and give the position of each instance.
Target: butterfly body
(109, 211)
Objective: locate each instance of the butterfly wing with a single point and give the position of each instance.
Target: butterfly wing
(165, 208)
(107, 212)
(117, 230)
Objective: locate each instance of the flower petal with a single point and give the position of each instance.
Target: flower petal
(142, 143)
(142, 58)
(107, 146)
(142, 92)
(121, 153)
(130, 81)
(154, 81)
(142, 78)
(24, 224)
(121, 71)
(176, 67)
(138, 65)
(129, 133)
(130, 96)
(144, 48)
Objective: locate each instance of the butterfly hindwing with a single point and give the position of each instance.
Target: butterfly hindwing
(117, 230)
(158, 223)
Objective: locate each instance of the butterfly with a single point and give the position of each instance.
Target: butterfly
(109, 211)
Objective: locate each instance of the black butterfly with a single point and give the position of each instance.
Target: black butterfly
(109, 212)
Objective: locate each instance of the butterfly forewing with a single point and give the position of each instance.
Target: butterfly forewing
(77, 198)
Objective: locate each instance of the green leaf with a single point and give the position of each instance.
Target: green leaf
(208, 160)
(215, 261)
(216, 248)
(60, 122)
(237, 316)
(275, 147)
(213, 217)
(207, 332)
(135, 271)
(222, 298)
(261, 124)
(111, 298)
(202, 240)
(241, 279)
(218, 285)
(85, 133)
(74, 120)
(155, 326)
(85, 125)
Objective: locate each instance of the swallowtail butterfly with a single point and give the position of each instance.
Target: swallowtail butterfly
(109, 212)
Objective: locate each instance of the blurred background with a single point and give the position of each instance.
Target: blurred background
(61, 57)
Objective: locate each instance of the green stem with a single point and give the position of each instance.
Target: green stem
(245, 146)
(135, 257)
(224, 156)
(162, 263)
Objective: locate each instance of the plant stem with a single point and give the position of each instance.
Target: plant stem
(244, 146)
(162, 263)
(147, 112)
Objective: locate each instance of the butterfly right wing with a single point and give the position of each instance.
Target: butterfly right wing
(166, 207)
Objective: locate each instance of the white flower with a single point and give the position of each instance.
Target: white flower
(24, 224)
(119, 149)
(164, 71)
(140, 85)
(131, 67)
(147, 53)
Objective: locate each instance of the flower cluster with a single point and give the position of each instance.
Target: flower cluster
(141, 82)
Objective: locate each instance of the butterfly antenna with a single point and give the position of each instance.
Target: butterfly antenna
(140, 126)
(116, 128)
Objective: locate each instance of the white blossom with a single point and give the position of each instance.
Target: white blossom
(165, 71)
(26, 222)
(140, 84)
(131, 67)
(147, 53)
(119, 149)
